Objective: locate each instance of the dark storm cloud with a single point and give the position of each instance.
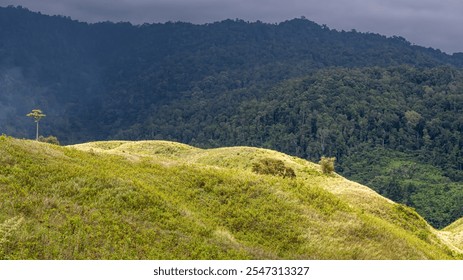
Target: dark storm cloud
(429, 23)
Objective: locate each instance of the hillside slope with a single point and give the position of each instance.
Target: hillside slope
(389, 111)
(454, 233)
(164, 200)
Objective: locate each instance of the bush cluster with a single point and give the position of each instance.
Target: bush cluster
(49, 139)
(272, 166)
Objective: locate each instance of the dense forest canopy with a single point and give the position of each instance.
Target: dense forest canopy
(389, 111)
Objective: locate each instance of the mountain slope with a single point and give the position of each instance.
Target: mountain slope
(164, 200)
(88, 76)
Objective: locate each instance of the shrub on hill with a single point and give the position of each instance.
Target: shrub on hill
(327, 164)
(49, 139)
(272, 166)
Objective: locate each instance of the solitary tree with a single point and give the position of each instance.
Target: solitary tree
(37, 115)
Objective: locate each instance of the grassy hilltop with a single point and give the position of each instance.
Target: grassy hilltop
(165, 200)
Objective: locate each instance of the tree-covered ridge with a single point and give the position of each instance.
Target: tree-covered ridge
(107, 74)
(331, 112)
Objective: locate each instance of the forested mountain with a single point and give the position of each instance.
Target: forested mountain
(391, 112)
(116, 75)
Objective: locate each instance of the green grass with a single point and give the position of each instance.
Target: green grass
(454, 233)
(164, 200)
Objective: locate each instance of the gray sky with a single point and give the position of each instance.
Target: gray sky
(429, 23)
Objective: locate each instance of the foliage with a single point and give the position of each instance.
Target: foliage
(327, 164)
(36, 114)
(273, 167)
(106, 79)
(407, 179)
(49, 139)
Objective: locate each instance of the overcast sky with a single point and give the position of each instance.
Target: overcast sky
(429, 23)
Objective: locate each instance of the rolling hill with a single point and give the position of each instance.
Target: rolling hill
(388, 110)
(166, 200)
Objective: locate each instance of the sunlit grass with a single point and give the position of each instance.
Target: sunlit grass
(164, 200)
